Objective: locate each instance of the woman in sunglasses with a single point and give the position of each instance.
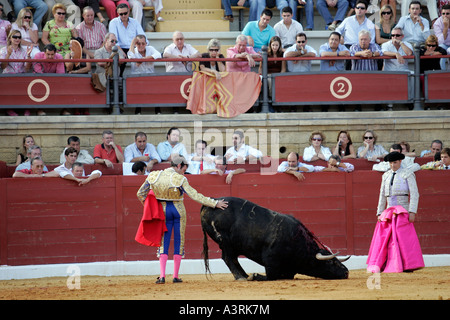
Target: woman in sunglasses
(28, 29)
(58, 31)
(370, 150)
(384, 28)
(316, 151)
(431, 48)
(214, 67)
(14, 50)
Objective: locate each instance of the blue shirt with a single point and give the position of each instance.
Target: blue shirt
(261, 38)
(125, 35)
(132, 151)
(413, 31)
(338, 65)
(165, 149)
(350, 27)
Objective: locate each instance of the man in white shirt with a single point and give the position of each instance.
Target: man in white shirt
(300, 49)
(77, 174)
(140, 50)
(396, 48)
(288, 28)
(407, 163)
(71, 155)
(141, 150)
(241, 152)
(199, 161)
(351, 26)
(83, 155)
(295, 167)
(415, 27)
(179, 49)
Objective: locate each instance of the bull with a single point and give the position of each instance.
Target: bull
(279, 242)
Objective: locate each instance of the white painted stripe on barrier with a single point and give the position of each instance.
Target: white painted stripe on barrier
(151, 268)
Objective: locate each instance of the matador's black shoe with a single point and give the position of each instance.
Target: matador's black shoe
(161, 280)
(177, 280)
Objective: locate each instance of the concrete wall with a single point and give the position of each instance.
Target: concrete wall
(268, 132)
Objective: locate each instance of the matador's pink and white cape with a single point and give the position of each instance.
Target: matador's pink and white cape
(395, 246)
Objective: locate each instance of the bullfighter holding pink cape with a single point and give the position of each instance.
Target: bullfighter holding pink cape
(395, 246)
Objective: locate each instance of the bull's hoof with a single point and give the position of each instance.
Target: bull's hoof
(241, 279)
(256, 277)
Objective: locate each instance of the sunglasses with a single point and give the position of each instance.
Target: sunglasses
(215, 50)
(445, 13)
(113, 41)
(301, 41)
(123, 13)
(368, 138)
(141, 43)
(431, 45)
(316, 139)
(61, 13)
(27, 17)
(386, 12)
(360, 8)
(396, 35)
(16, 37)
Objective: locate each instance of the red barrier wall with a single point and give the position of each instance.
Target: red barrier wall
(50, 90)
(51, 220)
(352, 86)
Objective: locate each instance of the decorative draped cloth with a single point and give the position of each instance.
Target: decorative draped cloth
(153, 224)
(395, 246)
(234, 94)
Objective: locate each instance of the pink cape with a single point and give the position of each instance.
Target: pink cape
(395, 246)
(153, 224)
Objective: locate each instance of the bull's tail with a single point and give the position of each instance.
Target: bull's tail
(205, 253)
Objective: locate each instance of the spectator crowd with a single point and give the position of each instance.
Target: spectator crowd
(140, 156)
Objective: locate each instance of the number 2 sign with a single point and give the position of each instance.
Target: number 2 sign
(340, 87)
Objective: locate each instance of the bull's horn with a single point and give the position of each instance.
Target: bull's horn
(344, 259)
(320, 256)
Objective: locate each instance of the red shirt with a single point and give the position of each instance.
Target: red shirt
(100, 152)
(28, 171)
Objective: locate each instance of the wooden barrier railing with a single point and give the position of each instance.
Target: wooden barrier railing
(51, 220)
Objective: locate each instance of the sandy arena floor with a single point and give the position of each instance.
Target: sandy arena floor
(428, 283)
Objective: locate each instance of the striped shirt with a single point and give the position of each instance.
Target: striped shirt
(365, 64)
(92, 37)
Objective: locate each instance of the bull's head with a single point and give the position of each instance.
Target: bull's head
(330, 267)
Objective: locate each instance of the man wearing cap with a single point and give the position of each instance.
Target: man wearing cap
(397, 183)
(395, 246)
(162, 197)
